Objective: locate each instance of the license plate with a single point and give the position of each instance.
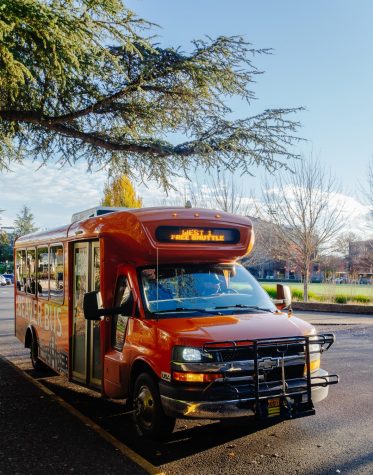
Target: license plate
(274, 407)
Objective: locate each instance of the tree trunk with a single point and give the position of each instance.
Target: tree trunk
(306, 273)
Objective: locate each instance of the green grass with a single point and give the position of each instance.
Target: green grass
(338, 293)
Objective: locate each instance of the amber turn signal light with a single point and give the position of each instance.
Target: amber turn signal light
(195, 377)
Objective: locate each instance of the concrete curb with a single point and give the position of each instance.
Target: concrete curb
(333, 307)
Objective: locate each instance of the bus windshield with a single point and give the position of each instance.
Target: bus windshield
(203, 289)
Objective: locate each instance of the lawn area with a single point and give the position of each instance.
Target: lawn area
(342, 293)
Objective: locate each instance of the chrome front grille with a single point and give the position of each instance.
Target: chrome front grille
(237, 353)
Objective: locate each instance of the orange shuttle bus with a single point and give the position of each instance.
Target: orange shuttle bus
(150, 305)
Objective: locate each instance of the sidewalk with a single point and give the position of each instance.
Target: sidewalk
(39, 436)
(326, 318)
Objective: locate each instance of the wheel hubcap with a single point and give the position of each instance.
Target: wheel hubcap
(144, 406)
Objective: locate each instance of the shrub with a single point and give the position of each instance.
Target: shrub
(361, 299)
(340, 298)
(297, 294)
(314, 297)
(323, 298)
(271, 291)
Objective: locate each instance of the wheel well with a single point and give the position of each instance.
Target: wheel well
(28, 338)
(30, 334)
(138, 367)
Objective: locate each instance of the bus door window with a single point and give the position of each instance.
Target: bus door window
(95, 353)
(96, 267)
(86, 351)
(21, 271)
(43, 272)
(56, 272)
(119, 322)
(81, 284)
(31, 270)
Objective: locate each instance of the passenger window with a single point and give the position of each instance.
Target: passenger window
(31, 270)
(56, 273)
(43, 272)
(21, 271)
(119, 322)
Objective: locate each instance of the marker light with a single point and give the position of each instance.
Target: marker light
(315, 350)
(314, 366)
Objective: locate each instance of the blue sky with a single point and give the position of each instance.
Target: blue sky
(322, 60)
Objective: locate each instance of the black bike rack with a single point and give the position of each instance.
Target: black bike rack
(285, 388)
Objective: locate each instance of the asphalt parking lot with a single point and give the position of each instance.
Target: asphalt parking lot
(338, 439)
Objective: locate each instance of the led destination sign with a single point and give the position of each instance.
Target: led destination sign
(197, 235)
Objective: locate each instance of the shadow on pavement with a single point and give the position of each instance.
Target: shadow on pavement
(112, 416)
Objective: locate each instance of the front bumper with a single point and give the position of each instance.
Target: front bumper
(294, 403)
(274, 381)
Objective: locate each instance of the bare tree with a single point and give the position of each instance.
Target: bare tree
(366, 194)
(370, 192)
(306, 221)
(370, 181)
(330, 264)
(226, 195)
(267, 248)
(342, 243)
(218, 191)
(360, 258)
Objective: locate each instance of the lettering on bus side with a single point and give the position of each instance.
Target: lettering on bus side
(43, 315)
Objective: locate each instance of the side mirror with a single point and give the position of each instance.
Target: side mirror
(91, 306)
(283, 297)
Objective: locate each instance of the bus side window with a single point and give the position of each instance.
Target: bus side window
(56, 273)
(31, 270)
(21, 271)
(119, 322)
(43, 272)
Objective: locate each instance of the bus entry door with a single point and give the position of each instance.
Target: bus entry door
(86, 359)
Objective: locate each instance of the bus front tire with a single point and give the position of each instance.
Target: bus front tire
(149, 418)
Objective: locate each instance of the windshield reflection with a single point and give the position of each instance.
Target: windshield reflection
(202, 289)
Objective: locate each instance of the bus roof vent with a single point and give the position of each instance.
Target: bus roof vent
(93, 212)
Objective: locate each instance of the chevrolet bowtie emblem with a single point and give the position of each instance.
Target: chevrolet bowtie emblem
(267, 364)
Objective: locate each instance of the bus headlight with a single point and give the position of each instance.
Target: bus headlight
(191, 354)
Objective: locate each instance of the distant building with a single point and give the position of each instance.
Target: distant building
(360, 259)
(271, 260)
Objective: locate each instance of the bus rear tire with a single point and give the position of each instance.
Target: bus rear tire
(34, 354)
(149, 418)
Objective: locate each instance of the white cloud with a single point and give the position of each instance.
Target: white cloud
(356, 215)
(54, 194)
(51, 193)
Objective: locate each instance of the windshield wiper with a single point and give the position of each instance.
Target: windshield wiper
(251, 307)
(187, 309)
